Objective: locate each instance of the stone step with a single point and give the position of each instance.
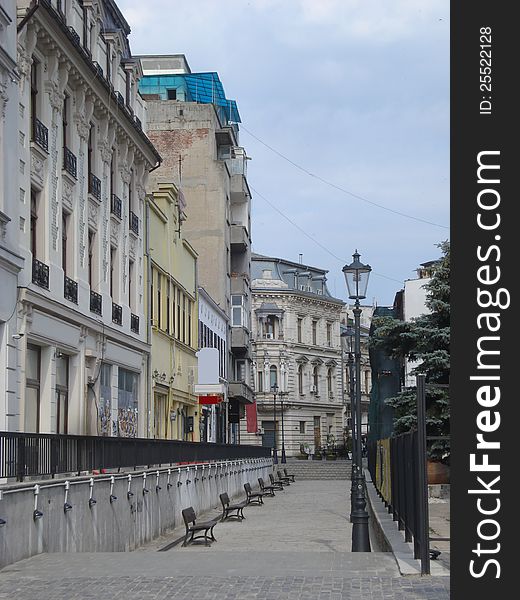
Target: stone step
(314, 469)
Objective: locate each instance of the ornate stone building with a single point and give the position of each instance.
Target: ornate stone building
(296, 345)
(83, 161)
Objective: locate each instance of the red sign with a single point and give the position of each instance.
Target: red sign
(210, 399)
(251, 418)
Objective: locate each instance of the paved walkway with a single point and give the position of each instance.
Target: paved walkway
(296, 546)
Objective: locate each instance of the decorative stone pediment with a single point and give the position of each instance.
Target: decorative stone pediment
(302, 360)
(317, 362)
(331, 363)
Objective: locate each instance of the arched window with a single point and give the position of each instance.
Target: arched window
(273, 376)
(300, 379)
(329, 382)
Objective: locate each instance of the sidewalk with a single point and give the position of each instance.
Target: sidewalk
(295, 546)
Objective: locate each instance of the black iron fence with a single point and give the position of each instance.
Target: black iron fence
(39, 454)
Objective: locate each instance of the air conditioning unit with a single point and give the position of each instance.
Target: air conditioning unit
(269, 336)
(313, 389)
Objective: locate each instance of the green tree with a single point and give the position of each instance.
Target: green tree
(425, 339)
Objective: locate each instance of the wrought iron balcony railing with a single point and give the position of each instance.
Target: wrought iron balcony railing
(40, 134)
(94, 186)
(134, 223)
(75, 35)
(116, 206)
(120, 99)
(117, 314)
(96, 303)
(70, 163)
(134, 323)
(70, 289)
(40, 274)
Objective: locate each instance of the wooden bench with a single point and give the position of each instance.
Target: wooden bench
(267, 489)
(289, 475)
(283, 478)
(253, 497)
(227, 508)
(277, 485)
(188, 514)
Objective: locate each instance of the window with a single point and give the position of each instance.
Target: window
(109, 61)
(32, 389)
(35, 68)
(190, 309)
(329, 382)
(299, 328)
(159, 307)
(65, 121)
(178, 314)
(128, 87)
(315, 380)
(105, 399)
(273, 376)
(172, 94)
(152, 297)
(270, 327)
(112, 174)
(367, 382)
(168, 306)
(86, 37)
(62, 393)
(34, 223)
(302, 426)
(240, 370)
(267, 274)
(260, 387)
(237, 311)
(91, 241)
(314, 334)
(300, 379)
(183, 318)
(131, 191)
(90, 149)
(329, 334)
(127, 402)
(65, 217)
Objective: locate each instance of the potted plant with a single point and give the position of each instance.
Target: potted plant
(317, 453)
(330, 448)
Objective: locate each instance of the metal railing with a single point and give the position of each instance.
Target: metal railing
(117, 314)
(70, 289)
(40, 134)
(39, 454)
(69, 162)
(94, 186)
(96, 303)
(116, 206)
(40, 274)
(134, 223)
(134, 323)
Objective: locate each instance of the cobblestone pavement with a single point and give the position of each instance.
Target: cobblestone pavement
(296, 546)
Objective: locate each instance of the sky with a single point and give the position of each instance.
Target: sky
(344, 106)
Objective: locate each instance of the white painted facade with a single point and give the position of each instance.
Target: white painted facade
(10, 260)
(83, 161)
(296, 344)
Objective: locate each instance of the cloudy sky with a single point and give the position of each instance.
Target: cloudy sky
(344, 106)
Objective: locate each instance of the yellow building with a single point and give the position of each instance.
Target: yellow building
(172, 308)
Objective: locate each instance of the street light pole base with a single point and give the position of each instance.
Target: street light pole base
(359, 518)
(284, 459)
(275, 456)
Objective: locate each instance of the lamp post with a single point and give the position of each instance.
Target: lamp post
(284, 460)
(356, 277)
(349, 335)
(274, 389)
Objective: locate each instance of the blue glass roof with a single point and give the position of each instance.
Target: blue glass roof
(205, 88)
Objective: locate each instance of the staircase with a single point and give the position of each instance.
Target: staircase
(317, 469)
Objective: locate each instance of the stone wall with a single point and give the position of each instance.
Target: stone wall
(119, 525)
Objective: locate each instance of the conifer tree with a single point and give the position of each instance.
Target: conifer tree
(425, 339)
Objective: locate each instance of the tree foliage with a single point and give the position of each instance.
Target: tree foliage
(425, 339)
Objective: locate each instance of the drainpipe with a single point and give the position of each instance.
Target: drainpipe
(148, 316)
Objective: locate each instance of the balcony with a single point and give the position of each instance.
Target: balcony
(240, 391)
(239, 238)
(40, 134)
(70, 289)
(70, 163)
(117, 314)
(239, 338)
(240, 191)
(134, 223)
(40, 274)
(120, 99)
(134, 323)
(239, 283)
(99, 68)
(96, 303)
(94, 186)
(115, 206)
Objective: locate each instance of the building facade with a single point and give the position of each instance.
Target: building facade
(10, 260)
(171, 276)
(83, 160)
(296, 346)
(195, 128)
(212, 385)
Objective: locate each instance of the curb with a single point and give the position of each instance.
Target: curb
(391, 539)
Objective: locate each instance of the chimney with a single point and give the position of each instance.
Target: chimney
(301, 258)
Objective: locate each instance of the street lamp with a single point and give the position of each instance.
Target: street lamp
(274, 389)
(284, 460)
(348, 335)
(356, 277)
